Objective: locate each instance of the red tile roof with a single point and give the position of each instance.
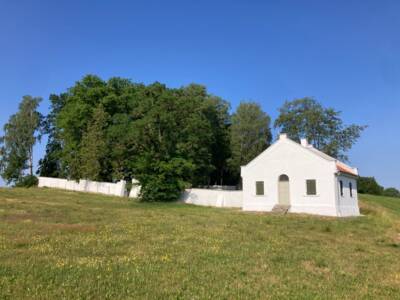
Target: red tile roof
(345, 169)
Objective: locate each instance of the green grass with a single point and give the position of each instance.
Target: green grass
(58, 244)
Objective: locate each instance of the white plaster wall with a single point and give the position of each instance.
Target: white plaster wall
(92, 186)
(53, 182)
(106, 188)
(72, 185)
(299, 164)
(347, 205)
(135, 190)
(119, 188)
(209, 197)
(220, 187)
(103, 188)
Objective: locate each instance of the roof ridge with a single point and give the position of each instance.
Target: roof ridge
(340, 166)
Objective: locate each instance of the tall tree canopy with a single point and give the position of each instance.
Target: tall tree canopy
(20, 135)
(93, 150)
(50, 165)
(250, 134)
(167, 138)
(323, 127)
(171, 138)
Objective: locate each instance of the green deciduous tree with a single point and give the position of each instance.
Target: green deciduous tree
(391, 192)
(250, 134)
(94, 151)
(323, 127)
(170, 138)
(51, 165)
(162, 180)
(74, 117)
(117, 129)
(369, 185)
(20, 135)
(175, 140)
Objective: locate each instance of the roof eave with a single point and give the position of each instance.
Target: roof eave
(339, 173)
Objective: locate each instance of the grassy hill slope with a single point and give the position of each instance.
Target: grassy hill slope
(57, 244)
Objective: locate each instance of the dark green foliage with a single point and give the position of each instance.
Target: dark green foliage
(170, 138)
(111, 130)
(369, 185)
(93, 151)
(51, 165)
(163, 180)
(391, 192)
(323, 127)
(74, 118)
(27, 181)
(250, 134)
(217, 113)
(20, 135)
(176, 140)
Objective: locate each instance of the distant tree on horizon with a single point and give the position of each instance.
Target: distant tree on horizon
(369, 185)
(250, 134)
(391, 192)
(21, 133)
(323, 127)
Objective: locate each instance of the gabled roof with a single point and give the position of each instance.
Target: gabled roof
(340, 166)
(319, 153)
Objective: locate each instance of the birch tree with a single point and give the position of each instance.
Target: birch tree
(21, 133)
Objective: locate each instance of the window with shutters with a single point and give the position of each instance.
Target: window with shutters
(259, 188)
(311, 186)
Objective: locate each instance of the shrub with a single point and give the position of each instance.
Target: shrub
(368, 185)
(163, 180)
(27, 181)
(391, 192)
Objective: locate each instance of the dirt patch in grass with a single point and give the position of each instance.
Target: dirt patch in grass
(396, 241)
(15, 218)
(314, 268)
(68, 227)
(47, 227)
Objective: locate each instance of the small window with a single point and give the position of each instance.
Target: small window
(259, 188)
(351, 189)
(341, 187)
(311, 187)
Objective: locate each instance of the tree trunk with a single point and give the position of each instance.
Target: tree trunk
(31, 161)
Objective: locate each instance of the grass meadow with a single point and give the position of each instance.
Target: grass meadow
(66, 245)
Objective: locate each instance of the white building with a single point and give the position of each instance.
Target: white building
(299, 178)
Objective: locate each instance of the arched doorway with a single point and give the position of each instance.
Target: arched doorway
(283, 190)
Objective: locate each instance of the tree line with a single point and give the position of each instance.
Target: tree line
(369, 185)
(167, 138)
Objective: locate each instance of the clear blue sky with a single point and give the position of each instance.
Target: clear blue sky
(344, 53)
